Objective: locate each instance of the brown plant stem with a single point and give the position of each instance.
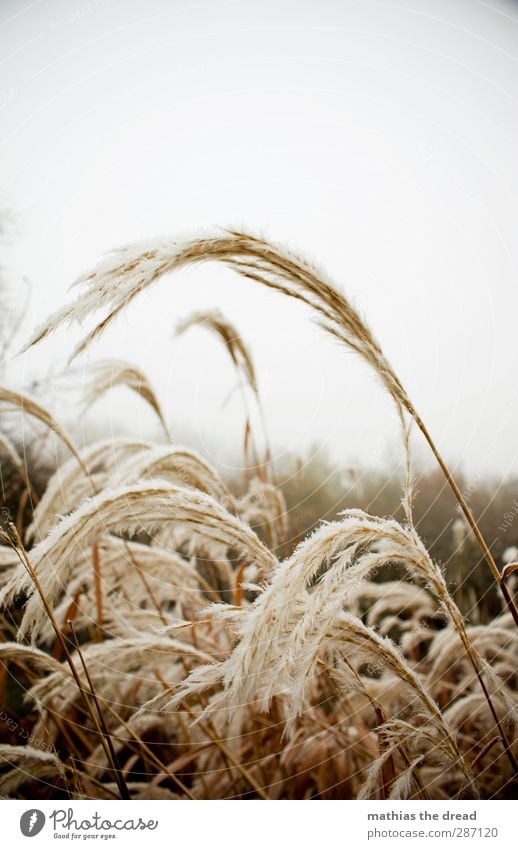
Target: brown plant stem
(450, 604)
(163, 768)
(119, 777)
(487, 748)
(16, 544)
(488, 557)
(96, 566)
(228, 755)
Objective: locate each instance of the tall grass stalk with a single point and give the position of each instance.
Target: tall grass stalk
(125, 273)
(12, 538)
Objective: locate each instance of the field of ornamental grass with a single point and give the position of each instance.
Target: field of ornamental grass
(163, 637)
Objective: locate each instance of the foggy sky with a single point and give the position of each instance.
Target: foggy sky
(378, 138)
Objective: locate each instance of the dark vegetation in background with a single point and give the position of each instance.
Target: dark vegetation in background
(317, 489)
(320, 490)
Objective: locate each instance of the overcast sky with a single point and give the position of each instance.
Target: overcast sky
(377, 137)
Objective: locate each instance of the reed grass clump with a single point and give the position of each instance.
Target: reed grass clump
(171, 643)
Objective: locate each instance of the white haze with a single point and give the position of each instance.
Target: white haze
(377, 137)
